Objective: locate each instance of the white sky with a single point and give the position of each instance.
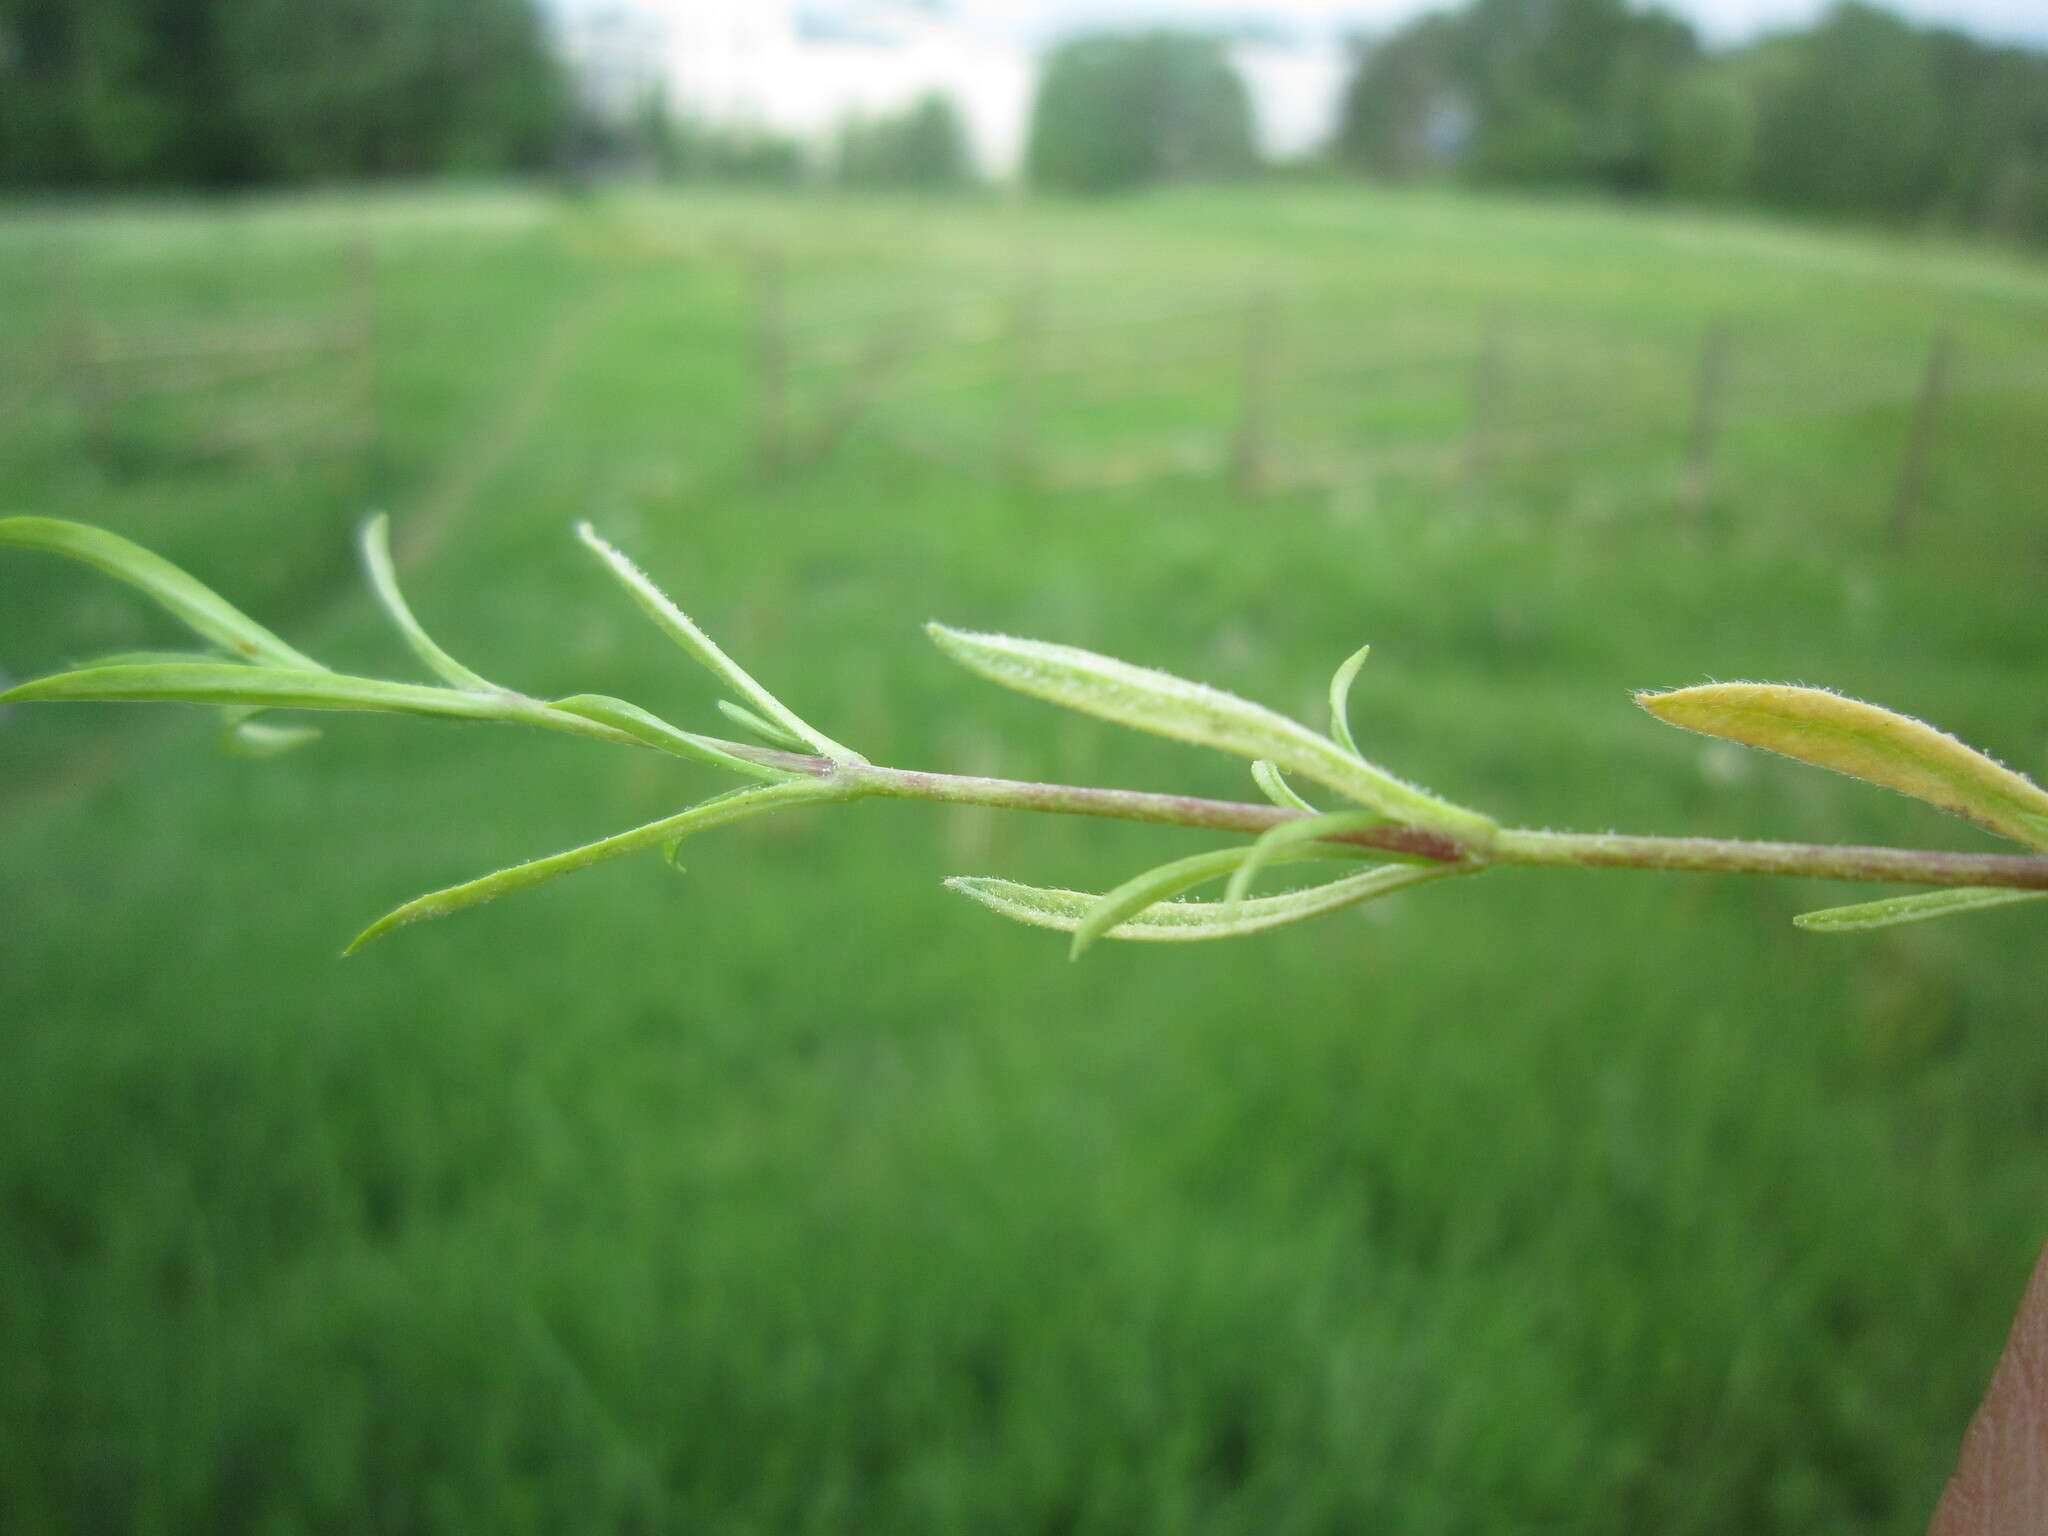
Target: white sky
(1721, 20)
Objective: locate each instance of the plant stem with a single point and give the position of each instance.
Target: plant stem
(1136, 805)
(1703, 855)
(1817, 861)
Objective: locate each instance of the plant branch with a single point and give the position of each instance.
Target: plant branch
(1701, 855)
(1137, 805)
(1396, 822)
(1722, 856)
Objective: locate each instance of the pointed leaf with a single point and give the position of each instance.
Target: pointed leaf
(720, 811)
(1191, 921)
(262, 687)
(156, 659)
(1277, 789)
(195, 604)
(1865, 742)
(671, 849)
(767, 730)
(1912, 909)
(1288, 837)
(657, 732)
(1165, 881)
(245, 734)
(1170, 706)
(1340, 699)
(679, 627)
(376, 545)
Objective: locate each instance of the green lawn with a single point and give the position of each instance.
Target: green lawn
(796, 1194)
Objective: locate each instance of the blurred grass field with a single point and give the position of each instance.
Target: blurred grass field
(796, 1195)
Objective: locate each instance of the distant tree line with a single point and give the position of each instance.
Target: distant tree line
(922, 148)
(1863, 115)
(1117, 111)
(132, 93)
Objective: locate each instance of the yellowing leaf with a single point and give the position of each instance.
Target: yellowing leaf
(1867, 743)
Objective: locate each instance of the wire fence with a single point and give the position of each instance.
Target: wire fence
(1095, 382)
(1068, 389)
(147, 392)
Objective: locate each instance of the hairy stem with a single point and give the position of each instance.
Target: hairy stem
(1722, 856)
(1136, 805)
(1702, 855)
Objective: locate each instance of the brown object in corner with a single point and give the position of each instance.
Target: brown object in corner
(2000, 1487)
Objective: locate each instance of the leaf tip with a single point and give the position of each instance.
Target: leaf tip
(369, 935)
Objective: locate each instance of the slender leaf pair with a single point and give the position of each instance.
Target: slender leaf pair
(1165, 705)
(1191, 921)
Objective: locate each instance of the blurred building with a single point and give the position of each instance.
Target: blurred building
(801, 68)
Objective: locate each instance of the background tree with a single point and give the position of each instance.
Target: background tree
(1536, 91)
(1863, 116)
(1706, 148)
(1118, 111)
(1854, 125)
(375, 87)
(1405, 107)
(209, 92)
(922, 149)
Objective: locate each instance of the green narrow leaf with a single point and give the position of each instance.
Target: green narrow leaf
(767, 730)
(671, 849)
(679, 627)
(192, 602)
(657, 732)
(245, 735)
(1192, 921)
(1291, 836)
(720, 811)
(1170, 706)
(155, 659)
(376, 547)
(1876, 745)
(1277, 789)
(1165, 881)
(1912, 909)
(1340, 700)
(260, 687)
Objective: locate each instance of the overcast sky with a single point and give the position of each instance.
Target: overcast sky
(1721, 20)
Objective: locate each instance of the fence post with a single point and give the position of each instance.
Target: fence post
(1710, 392)
(1248, 457)
(771, 363)
(369, 359)
(1489, 369)
(887, 347)
(1911, 489)
(82, 349)
(1020, 431)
